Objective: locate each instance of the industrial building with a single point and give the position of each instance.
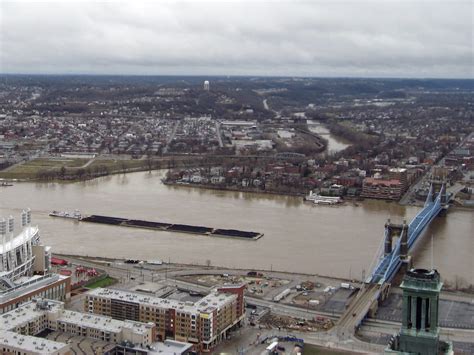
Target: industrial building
(204, 323)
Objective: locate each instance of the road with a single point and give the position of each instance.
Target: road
(219, 135)
(357, 310)
(387, 327)
(171, 137)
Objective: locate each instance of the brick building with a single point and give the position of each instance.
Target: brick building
(382, 189)
(204, 323)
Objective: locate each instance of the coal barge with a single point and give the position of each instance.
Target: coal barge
(171, 227)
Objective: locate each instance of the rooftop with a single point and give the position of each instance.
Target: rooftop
(102, 323)
(30, 343)
(375, 181)
(33, 310)
(169, 347)
(28, 284)
(26, 313)
(206, 304)
(422, 279)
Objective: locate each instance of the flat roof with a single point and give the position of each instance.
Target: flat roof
(31, 311)
(375, 181)
(30, 343)
(28, 285)
(169, 347)
(25, 313)
(397, 170)
(103, 323)
(206, 304)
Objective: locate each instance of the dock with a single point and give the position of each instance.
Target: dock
(172, 227)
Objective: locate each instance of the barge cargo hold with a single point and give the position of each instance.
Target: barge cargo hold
(170, 227)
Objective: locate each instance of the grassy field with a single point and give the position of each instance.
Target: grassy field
(57, 163)
(29, 169)
(118, 164)
(103, 283)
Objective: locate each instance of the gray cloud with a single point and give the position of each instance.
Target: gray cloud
(322, 38)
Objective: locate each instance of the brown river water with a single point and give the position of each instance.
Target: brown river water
(335, 241)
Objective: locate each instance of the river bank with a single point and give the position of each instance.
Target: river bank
(230, 188)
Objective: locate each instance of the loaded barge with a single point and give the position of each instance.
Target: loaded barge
(171, 227)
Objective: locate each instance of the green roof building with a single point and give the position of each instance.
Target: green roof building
(420, 330)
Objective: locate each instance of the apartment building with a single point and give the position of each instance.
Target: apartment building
(382, 189)
(19, 327)
(204, 323)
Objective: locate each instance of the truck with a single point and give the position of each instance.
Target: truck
(154, 262)
(282, 295)
(272, 346)
(346, 285)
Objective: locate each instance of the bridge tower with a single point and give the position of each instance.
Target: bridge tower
(420, 331)
(438, 183)
(400, 231)
(396, 230)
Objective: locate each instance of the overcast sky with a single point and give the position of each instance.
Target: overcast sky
(405, 38)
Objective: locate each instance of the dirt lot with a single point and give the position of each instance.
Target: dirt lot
(271, 321)
(260, 286)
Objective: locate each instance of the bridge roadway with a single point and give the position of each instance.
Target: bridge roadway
(357, 310)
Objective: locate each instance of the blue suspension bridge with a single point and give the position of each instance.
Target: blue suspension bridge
(391, 260)
(390, 263)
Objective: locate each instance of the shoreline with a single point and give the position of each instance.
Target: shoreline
(354, 200)
(233, 189)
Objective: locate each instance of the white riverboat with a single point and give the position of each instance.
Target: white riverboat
(322, 200)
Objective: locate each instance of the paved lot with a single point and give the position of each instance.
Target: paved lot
(453, 314)
(336, 302)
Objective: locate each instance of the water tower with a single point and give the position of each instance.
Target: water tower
(206, 85)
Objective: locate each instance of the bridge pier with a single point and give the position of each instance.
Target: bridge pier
(374, 307)
(384, 292)
(396, 230)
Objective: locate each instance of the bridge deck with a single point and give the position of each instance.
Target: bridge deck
(357, 310)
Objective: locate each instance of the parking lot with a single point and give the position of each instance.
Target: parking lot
(452, 314)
